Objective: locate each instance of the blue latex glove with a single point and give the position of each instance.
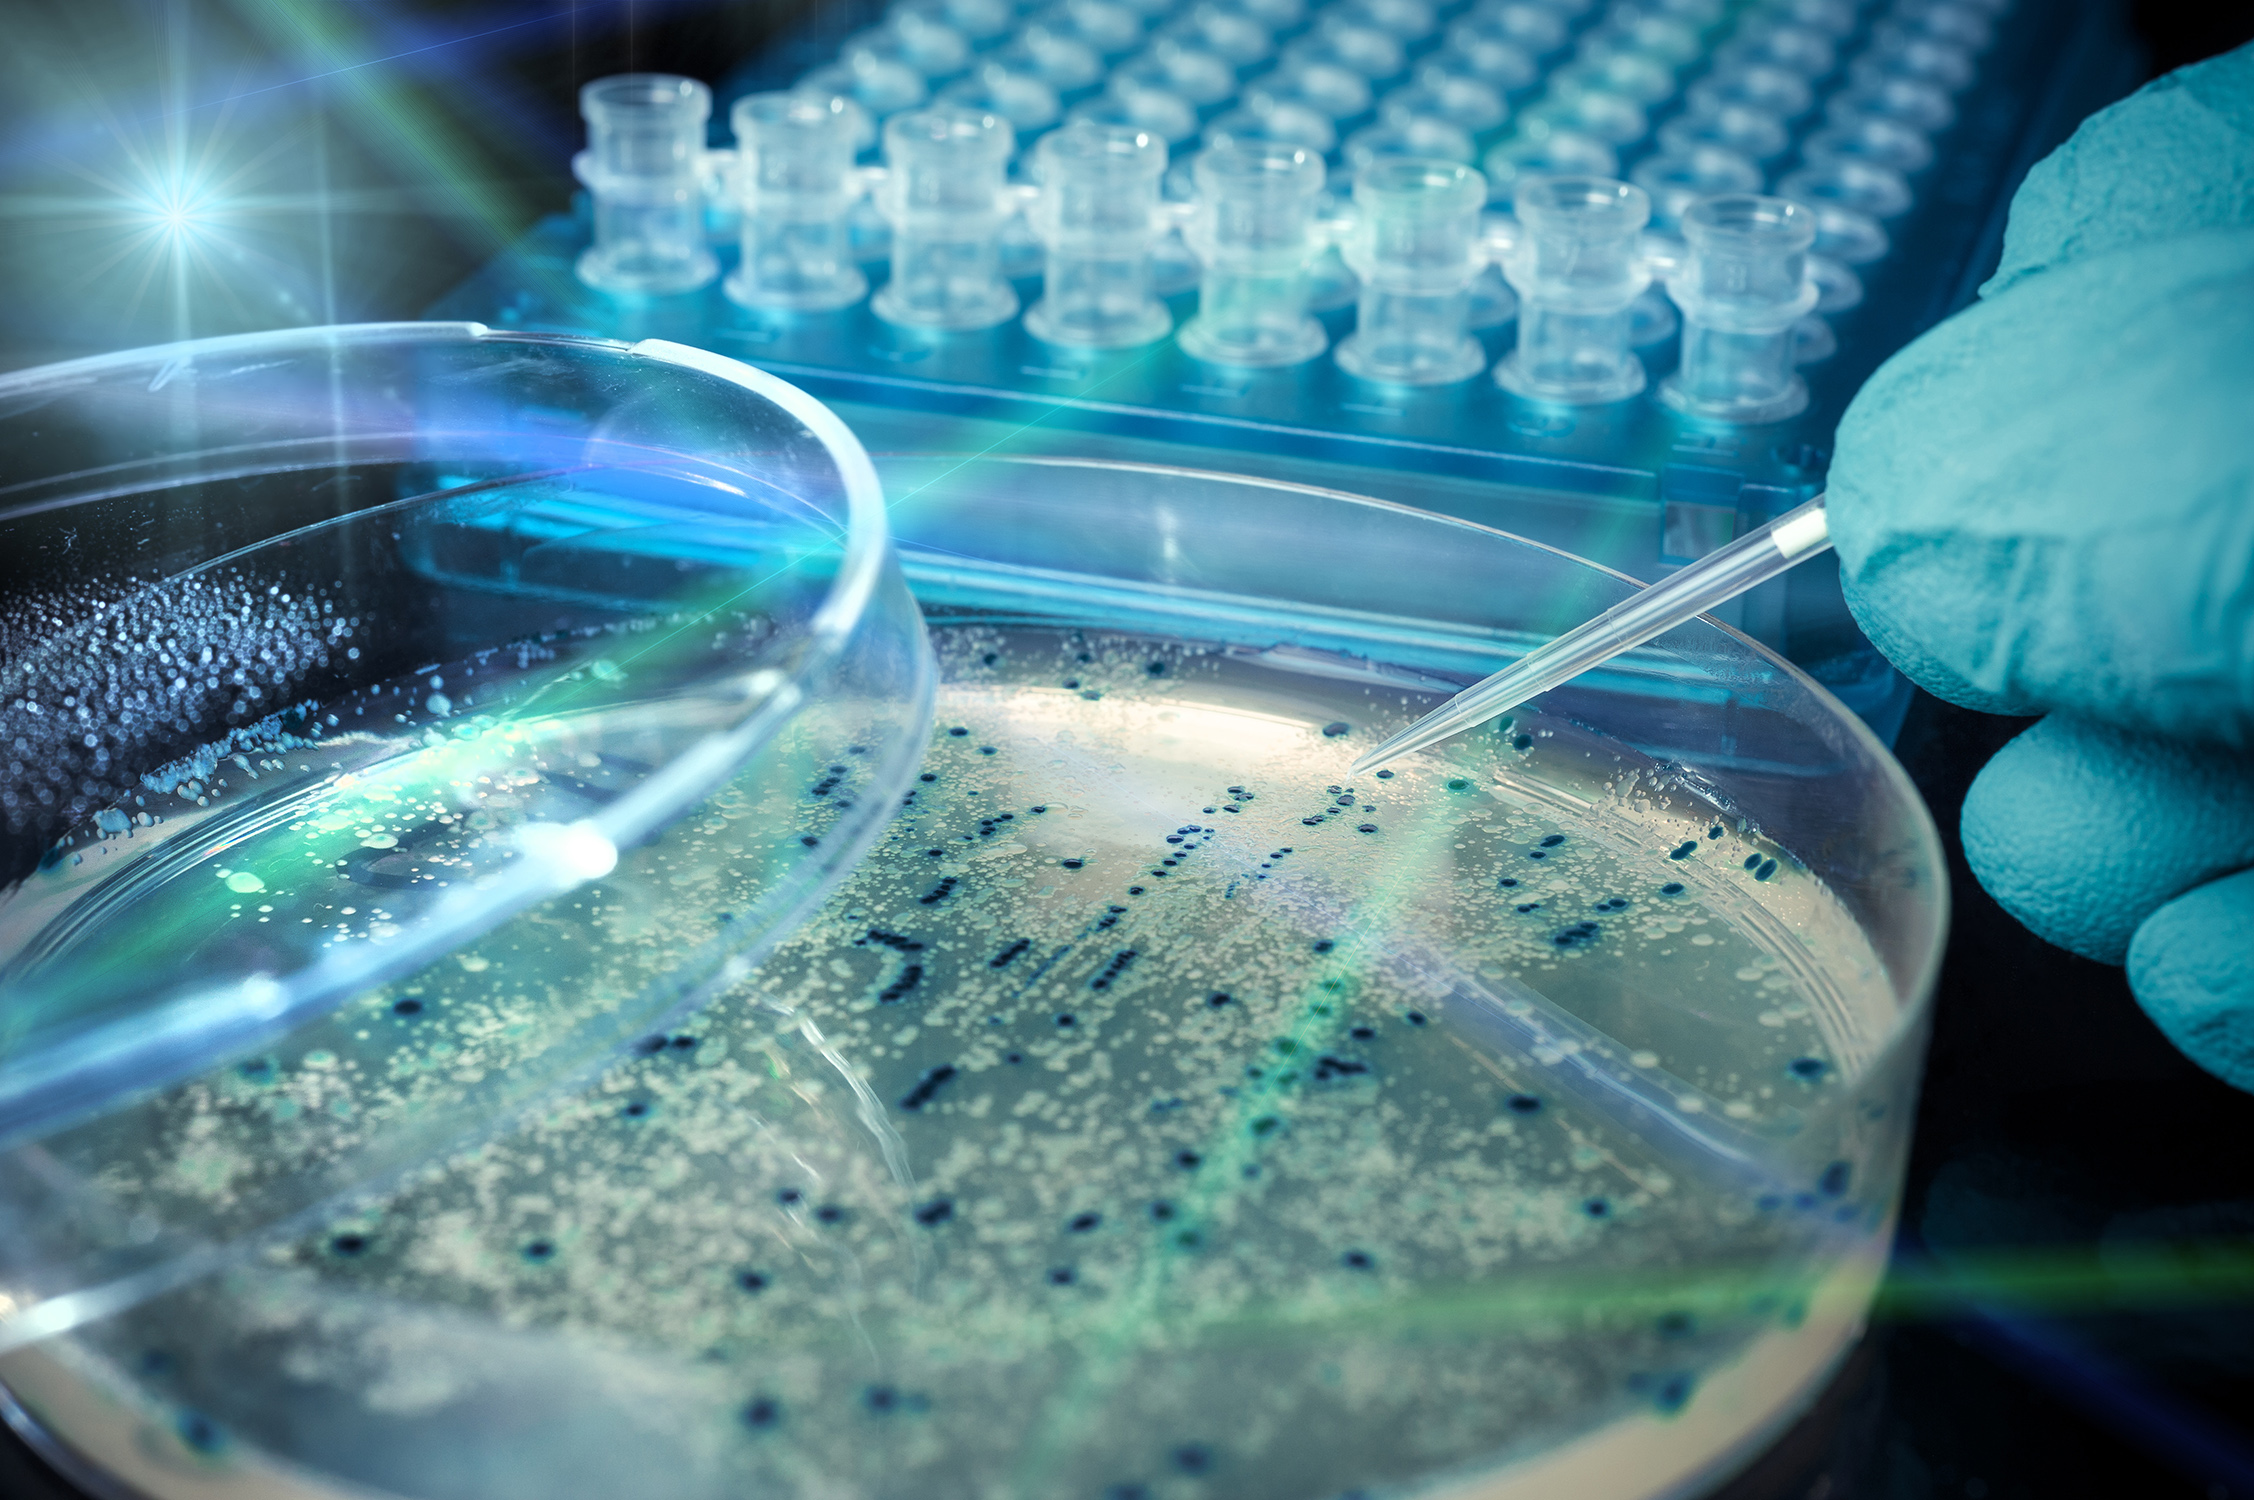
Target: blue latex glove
(2046, 505)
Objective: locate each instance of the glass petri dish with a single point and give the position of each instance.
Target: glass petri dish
(1152, 1111)
(334, 654)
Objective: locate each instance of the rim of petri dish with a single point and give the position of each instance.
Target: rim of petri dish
(120, 1057)
(926, 546)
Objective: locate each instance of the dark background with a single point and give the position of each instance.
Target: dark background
(2072, 1311)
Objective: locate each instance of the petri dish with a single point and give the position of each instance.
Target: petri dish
(333, 651)
(1151, 1111)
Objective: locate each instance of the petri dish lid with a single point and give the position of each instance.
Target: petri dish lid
(331, 651)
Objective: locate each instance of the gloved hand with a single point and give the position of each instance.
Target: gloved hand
(2046, 505)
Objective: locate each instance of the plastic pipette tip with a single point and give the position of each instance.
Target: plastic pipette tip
(1720, 576)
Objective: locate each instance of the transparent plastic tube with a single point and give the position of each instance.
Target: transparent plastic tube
(944, 196)
(982, 22)
(1228, 30)
(1871, 141)
(1098, 218)
(1153, 99)
(1713, 580)
(1616, 120)
(1059, 59)
(644, 169)
(1639, 76)
(1329, 88)
(797, 185)
(1946, 22)
(1167, 116)
(1900, 52)
(1353, 42)
(1561, 153)
(1024, 99)
(1576, 264)
(1413, 137)
(1493, 53)
(1464, 102)
(1858, 185)
(1195, 72)
(1415, 247)
(1750, 133)
(1742, 284)
(1702, 14)
(1276, 123)
(1410, 21)
(1538, 29)
(1795, 49)
(1777, 92)
(1107, 28)
(883, 86)
(1628, 27)
(1913, 102)
(1677, 179)
(1478, 47)
(1836, 19)
(1254, 231)
(912, 40)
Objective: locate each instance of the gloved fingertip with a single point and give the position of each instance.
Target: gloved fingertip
(1880, 614)
(2191, 966)
(2082, 831)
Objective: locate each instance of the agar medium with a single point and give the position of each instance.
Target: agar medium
(1149, 1110)
(1717, 578)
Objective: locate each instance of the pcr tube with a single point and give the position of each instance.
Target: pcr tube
(1577, 264)
(1677, 179)
(1461, 100)
(1611, 118)
(1231, 32)
(1751, 133)
(981, 22)
(1777, 92)
(1416, 246)
(1197, 73)
(1169, 117)
(911, 39)
(1539, 29)
(1483, 47)
(1640, 76)
(1098, 215)
(797, 185)
(1412, 137)
(1150, 91)
(1895, 52)
(1023, 99)
(1561, 153)
(1628, 30)
(1105, 28)
(1329, 88)
(1742, 284)
(1352, 42)
(1796, 49)
(883, 86)
(1058, 58)
(1871, 140)
(1254, 229)
(1410, 20)
(644, 167)
(944, 193)
(1275, 122)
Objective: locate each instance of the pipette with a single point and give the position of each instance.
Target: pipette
(1715, 579)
